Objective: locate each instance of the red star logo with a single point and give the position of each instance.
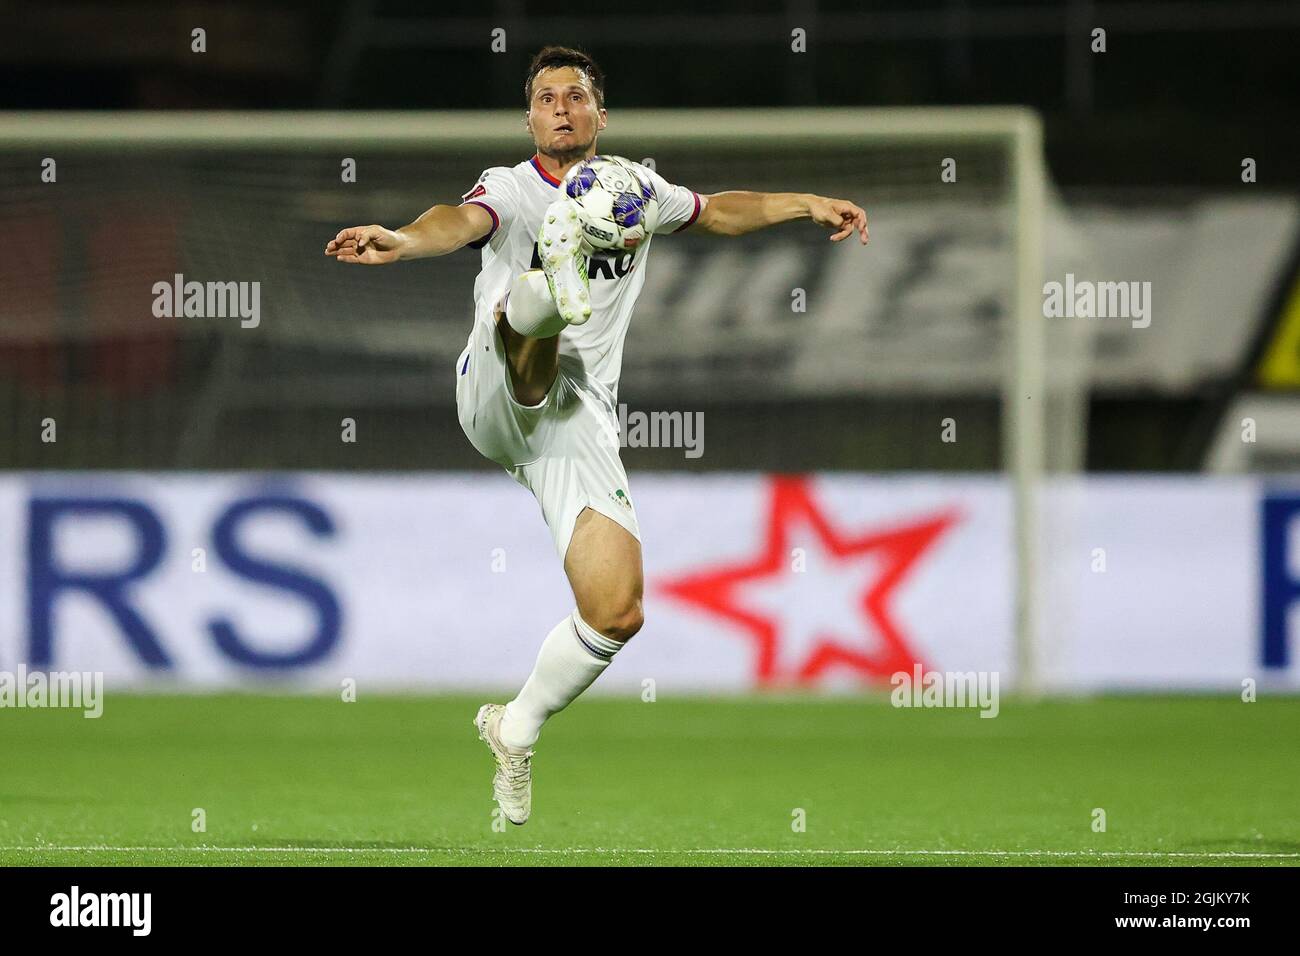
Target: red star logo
(866, 641)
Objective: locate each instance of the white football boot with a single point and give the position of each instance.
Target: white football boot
(565, 255)
(512, 785)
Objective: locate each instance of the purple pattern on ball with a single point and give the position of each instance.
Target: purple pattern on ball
(581, 182)
(647, 187)
(628, 209)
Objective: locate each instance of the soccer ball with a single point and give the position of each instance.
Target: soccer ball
(617, 206)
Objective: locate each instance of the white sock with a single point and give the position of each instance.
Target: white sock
(530, 310)
(573, 655)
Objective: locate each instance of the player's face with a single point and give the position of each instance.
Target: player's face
(563, 116)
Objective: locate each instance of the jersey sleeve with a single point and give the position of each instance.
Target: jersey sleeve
(678, 206)
(497, 192)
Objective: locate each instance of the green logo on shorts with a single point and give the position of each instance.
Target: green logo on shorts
(621, 498)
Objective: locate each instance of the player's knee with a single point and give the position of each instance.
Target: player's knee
(529, 308)
(635, 619)
(621, 620)
(628, 622)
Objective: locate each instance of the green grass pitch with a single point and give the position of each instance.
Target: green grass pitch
(403, 780)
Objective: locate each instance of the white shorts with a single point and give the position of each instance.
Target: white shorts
(563, 449)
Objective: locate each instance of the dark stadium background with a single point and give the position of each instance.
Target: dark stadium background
(1186, 88)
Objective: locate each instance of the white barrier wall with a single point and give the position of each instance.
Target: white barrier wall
(831, 581)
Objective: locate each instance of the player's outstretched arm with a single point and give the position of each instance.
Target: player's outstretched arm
(737, 212)
(440, 230)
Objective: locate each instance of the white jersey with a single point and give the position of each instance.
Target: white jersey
(516, 197)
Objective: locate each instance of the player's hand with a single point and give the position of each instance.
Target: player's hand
(368, 245)
(838, 214)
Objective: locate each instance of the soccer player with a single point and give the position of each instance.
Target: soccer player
(536, 385)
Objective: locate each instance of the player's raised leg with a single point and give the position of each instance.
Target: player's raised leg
(529, 326)
(541, 303)
(603, 564)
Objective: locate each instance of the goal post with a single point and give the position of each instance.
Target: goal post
(1024, 396)
(283, 168)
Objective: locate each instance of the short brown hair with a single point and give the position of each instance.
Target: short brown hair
(551, 57)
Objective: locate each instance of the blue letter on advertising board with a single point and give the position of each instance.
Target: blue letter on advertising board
(1281, 586)
(316, 592)
(45, 580)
